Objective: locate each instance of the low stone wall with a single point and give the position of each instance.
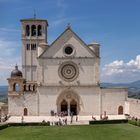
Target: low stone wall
(3, 109)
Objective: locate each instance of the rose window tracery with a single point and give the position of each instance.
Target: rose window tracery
(68, 71)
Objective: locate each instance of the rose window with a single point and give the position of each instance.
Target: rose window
(68, 71)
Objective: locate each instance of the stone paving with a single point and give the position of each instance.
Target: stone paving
(53, 119)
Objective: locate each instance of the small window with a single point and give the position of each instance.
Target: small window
(28, 46)
(33, 46)
(68, 50)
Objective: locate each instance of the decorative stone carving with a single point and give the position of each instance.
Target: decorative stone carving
(68, 71)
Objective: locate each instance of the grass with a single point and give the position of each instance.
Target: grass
(84, 132)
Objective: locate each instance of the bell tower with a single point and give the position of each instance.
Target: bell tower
(34, 32)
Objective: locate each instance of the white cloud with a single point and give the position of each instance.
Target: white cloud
(9, 56)
(2, 29)
(59, 21)
(119, 71)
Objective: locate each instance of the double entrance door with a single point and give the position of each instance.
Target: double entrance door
(70, 107)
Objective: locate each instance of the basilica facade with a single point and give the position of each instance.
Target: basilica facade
(63, 76)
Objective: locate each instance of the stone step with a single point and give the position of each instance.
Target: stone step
(81, 119)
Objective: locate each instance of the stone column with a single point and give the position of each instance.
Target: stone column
(68, 108)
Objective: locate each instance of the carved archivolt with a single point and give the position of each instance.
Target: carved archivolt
(68, 95)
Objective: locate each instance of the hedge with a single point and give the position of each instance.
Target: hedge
(134, 122)
(3, 126)
(30, 124)
(108, 121)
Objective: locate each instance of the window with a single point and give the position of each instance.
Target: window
(16, 87)
(28, 46)
(33, 46)
(39, 30)
(68, 50)
(33, 30)
(27, 30)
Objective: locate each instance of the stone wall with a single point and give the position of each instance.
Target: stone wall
(16, 104)
(112, 98)
(134, 107)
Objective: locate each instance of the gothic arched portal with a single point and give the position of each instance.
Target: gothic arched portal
(69, 102)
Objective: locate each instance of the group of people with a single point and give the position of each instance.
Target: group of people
(102, 116)
(61, 118)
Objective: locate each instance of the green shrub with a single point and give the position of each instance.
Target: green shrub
(30, 124)
(3, 126)
(134, 122)
(107, 121)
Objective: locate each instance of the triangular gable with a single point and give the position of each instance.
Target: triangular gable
(68, 37)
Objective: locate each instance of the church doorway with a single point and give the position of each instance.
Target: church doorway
(64, 106)
(25, 112)
(120, 110)
(73, 107)
(69, 102)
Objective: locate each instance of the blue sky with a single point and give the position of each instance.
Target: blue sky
(115, 24)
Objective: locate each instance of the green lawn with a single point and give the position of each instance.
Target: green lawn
(83, 132)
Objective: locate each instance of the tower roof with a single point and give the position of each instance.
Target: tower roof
(34, 19)
(16, 72)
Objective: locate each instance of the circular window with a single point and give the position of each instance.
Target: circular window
(68, 50)
(68, 71)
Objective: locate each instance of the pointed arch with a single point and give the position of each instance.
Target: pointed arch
(72, 99)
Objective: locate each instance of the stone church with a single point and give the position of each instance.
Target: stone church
(61, 76)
